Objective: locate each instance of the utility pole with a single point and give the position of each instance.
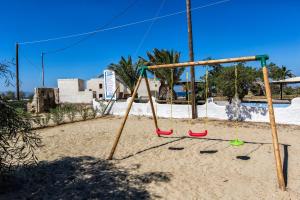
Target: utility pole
(191, 55)
(43, 71)
(17, 72)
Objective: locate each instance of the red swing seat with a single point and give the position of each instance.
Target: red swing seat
(160, 132)
(200, 134)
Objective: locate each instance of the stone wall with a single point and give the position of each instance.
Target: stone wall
(43, 100)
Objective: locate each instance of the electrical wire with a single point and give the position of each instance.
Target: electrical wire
(92, 34)
(121, 26)
(33, 64)
(29, 61)
(149, 28)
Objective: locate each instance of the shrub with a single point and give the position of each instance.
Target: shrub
(94, 112)
(101, 107)
(17, 141)
(42, 121)
(71, 111)
(57, 115)
(84, 112)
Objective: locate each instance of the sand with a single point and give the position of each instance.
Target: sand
(73, 162)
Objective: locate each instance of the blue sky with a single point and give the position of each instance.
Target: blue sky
(231, 29)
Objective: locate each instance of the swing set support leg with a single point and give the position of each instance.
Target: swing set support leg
(151, 102)
(126, 116)
(280, 176)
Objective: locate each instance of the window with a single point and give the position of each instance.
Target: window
(100, 95)
(94, 95)
(100, 85)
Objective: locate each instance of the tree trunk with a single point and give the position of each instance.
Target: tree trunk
(162, 91)
(171, 94)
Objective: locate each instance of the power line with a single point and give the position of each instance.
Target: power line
(123, 25)
(90, 35)
(149, 28)
(29, 61)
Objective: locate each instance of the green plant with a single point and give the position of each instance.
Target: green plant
(101, 106)
(127, 71)
(57, 115)
(167, 82)
(84, 112)
(71, 111)
(279, 73)
(17, 141)
(5, 72)
(42, 120)
(94, 112)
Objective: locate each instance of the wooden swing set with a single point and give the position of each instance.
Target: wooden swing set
(261, 58)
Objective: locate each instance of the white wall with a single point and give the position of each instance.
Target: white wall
(72, 91)
(288, 115)
(94, 85)
(142, 91)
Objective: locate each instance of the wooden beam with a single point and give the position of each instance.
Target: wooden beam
(151, 102)
(204, 62)
(274, 130)
(124, 119)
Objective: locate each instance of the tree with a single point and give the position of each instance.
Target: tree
(127, 71)
(9, 95)
(5, 73)
(214, 71)
(279, 73)
(158, 57)
(17, 141)
(224, 80)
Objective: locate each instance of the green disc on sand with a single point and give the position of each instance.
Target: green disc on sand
(236, 142)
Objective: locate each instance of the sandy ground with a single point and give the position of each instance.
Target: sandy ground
(73, 162)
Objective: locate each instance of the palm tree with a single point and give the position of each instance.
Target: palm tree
(126, 71)
(285, 73)
(158, 57)
(279, 73)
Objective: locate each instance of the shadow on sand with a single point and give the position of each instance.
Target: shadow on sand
(79, 178)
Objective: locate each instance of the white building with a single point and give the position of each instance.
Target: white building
(97, 85)
(75, 90)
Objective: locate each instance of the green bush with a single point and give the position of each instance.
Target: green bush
(84, 112)
(18, 104)
(57, 115)
(71, 111)
(42, 121)
(94, 112)
(17, 141)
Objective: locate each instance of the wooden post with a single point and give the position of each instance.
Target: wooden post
(281, 91)
(273, 129)
(191, 55)
(151, 102)
(17, 72)
(125, 118)
(110, 100)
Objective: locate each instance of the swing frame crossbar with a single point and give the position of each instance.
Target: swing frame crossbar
(261, 58)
